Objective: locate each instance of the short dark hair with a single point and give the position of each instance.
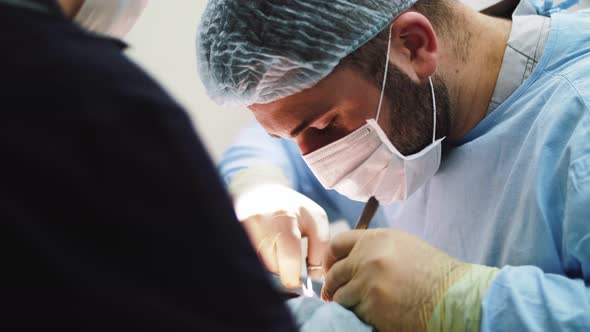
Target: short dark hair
(438, 12)
(369, 59)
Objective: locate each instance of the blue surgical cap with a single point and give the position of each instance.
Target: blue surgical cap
(258, 51)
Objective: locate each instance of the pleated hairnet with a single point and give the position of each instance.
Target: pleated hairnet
(258, 51)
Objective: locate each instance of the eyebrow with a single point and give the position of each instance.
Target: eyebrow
(305, 123)
(295, 132)
(301, 127)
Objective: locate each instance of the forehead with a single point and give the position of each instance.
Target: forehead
(342, 86)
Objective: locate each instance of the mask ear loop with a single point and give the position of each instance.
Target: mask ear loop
(385, 83)
(384, 75)
(433, 110)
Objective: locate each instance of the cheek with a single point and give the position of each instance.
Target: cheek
(385, 119)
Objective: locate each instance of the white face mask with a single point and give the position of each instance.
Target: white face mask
(110, 17)
(365, 163)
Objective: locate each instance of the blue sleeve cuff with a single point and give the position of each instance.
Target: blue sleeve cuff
(526, 299)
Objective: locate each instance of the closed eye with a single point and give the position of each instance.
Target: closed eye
(274, 136)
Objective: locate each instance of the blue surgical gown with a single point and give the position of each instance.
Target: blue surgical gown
(513, 193)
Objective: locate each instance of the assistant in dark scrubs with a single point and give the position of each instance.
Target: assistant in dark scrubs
(112, 217)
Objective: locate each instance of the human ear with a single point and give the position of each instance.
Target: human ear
(414, 46)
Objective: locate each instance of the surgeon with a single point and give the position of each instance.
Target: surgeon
(473, 132)
(112, 217)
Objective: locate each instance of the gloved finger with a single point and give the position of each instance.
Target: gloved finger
(264, 239)
(267, 252)
(339, 275)
(253, 229)
(340, 247)
(288, 253)
(314, 224)
(350, 294)
(363, 311)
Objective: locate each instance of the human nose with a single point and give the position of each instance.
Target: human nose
(314, 139)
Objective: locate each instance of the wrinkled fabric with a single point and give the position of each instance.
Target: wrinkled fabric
(252, 52)
(523, 52)
(513, 193)
(460, 307)
(312, 314)
(366, 164)
(546, 7)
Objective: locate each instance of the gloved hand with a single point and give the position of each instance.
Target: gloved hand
(397, 282)
(276, 217)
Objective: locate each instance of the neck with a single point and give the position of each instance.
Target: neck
(70, 7)
(471, 67)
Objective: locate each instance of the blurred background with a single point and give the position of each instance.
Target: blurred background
(163, 42)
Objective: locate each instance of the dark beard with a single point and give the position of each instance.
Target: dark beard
(411, 111)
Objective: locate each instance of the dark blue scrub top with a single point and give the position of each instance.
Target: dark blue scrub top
(112, 216)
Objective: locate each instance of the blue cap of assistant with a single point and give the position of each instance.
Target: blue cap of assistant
(258, 51)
